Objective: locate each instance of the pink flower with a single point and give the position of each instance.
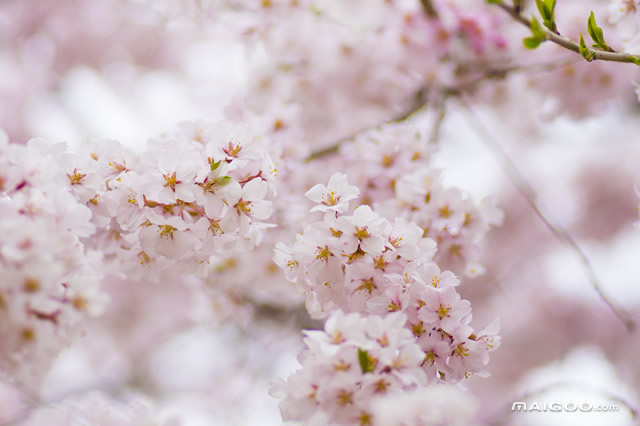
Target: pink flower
(444, 309)
(366, 230)
(335, 196)
(167, 237)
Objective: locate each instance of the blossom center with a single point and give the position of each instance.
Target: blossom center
(232, 150)
(243, 207)
(362, 233)
(331, 199)
(323, 253)
(461, 351)
(170, 181)
(166, 231)
(76, 178)
(443, 311)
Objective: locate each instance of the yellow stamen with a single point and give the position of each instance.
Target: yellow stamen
(345, 398)
(336, 233)
(461, 351)
(331, 199)
(443, 311)
(76, 178)
(417, 328)
(323, 253)
(445, 211)
(31, 285)
(243, 207)
(170, 181)
(361, 233)
(166, 231)
(367, 285)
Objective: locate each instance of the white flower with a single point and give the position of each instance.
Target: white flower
(248, 201)
(167, 237)
(335, 196)
(365, 229)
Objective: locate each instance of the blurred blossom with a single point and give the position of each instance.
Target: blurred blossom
(258, 211)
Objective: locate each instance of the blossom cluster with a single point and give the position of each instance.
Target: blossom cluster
(361, 263)
(71, 220)
(399, 181)
(354, 360)
(352, 367)
(192, 195)
(50, 282)
(377, 54)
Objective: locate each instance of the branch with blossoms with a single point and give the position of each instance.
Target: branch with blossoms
(396, 321)
(547, 31)
(439, 98)
(368, 247)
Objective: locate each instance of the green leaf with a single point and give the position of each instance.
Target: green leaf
(537, 30)
(543, 8)
(635, 60)
(215, 165)
(586, 53)
(494, 1)
(365, 361)
(538, 35)
(224, 180)
(531, 42)
(595, 32)
(546, 9)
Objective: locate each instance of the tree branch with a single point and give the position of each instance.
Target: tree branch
(445, 92)
(419, 102)
(567, 43)
(527, 192)
(431, 11)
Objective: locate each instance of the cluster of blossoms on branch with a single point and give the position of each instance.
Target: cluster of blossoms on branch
(196, 194)
(392, 167)
(376, 62)
(70, 219)
(406, 326)
(50, 282)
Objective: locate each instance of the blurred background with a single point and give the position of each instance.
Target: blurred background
(131, 70)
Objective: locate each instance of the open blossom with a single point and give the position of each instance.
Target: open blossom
(335, 196)
(444, 309)
(364, 231)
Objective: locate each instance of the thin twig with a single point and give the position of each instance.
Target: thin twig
(431, 11)
(417, 105)
(438, 120)
(463, 86)
(567, 43)
(527, 192)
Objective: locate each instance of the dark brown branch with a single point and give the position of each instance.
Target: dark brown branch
(431, 11)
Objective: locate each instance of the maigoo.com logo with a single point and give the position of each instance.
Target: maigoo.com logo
(557, 406)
